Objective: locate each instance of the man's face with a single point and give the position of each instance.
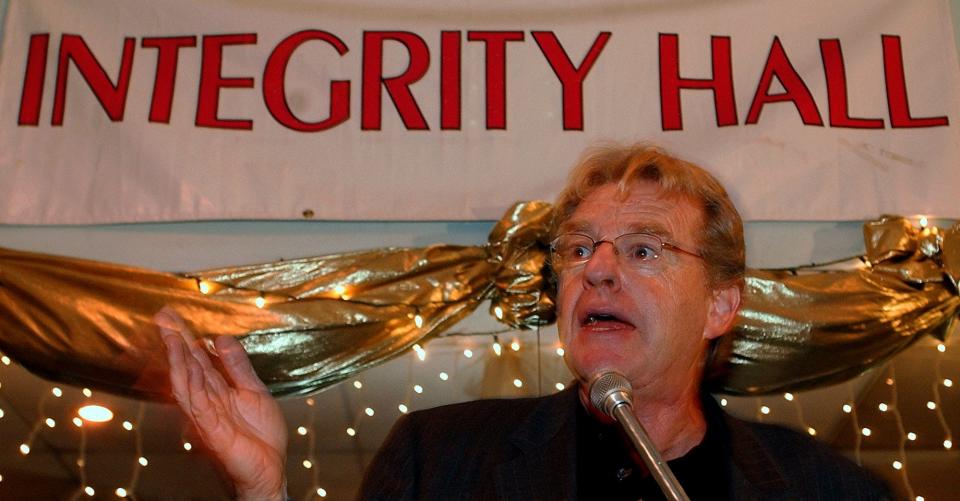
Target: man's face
(651, 325)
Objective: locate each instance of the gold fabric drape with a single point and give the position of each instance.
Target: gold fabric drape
(322, 319)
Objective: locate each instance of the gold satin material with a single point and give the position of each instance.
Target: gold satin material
(90, 323)
(325, 318)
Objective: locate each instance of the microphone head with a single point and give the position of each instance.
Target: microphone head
(608, 390)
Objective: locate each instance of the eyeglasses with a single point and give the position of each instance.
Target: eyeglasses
(635, 250)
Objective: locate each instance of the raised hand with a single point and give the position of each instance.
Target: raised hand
(238, 419)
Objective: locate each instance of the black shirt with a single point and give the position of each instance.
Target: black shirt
(609, 468)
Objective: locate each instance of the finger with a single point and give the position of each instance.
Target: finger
(177, 360)
(174, 323)
(237, 364)
(207, 414)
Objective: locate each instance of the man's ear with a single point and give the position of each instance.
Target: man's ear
(723, 311)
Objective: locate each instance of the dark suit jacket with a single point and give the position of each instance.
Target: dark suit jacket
(526, 449)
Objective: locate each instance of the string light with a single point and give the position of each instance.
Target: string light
(417, 388)
(788, 397)
(127, 425)
(518, 383)
(515, 345)
(77, 422)
(723, 402)
(24, 449)
(89, 490)
(468, 353)
(260, 301)
(498, 312)
(187, 446)
(87, 393)
(120, 492)
(942, 348)
(357, 384)
(368, 411)
(5, 359)
(57, 392)
(50, 422)
(1, 413)
(497, 348)
(418, 321)
(923, 221)
(889, 381)
(560, 352)
(866, 431)
(559, 386)
(310, 402)
(931, 405)
(301, 430)
(883, 407)
(143, 461)
(403, 408)
(322, 492)
(307, 464)
(204, 287)
(948, 383)
(847, 408)
(444, 376)
(812, 431)
(948, 444)
(351, 432)
(897, 465)
(911, 436)
(764, 409)
(421, 353)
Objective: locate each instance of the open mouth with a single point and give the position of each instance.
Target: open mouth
(602, 319)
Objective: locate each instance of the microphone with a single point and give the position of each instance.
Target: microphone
(610, 392)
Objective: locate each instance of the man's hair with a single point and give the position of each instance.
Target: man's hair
(721, 243)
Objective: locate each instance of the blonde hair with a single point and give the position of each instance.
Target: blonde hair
(721, 243)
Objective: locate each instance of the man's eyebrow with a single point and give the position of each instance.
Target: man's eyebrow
(575, 227)
(649, 227)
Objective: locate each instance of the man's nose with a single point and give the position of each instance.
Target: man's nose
(603, 267)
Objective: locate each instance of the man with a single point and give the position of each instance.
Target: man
(649, 257)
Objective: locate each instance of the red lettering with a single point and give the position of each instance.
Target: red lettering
(795, 90)
(398, 87)
(836, 77)
(450, 68)
(212, 80)
(897, 102)
(168, 51)
(274, 90)
(33, 77)
(496, 71)
(721, 84)
(113, 98)
(571, 77)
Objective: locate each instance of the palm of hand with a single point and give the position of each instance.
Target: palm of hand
(238, 420)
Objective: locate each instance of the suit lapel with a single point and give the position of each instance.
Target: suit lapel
(544, 464)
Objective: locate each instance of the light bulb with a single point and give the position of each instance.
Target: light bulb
(95, 413)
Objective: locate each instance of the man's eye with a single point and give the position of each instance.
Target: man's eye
(642, 253)
(578, 252)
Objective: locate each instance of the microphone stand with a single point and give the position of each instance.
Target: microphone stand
(610, 392)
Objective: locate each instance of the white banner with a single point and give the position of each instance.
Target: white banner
(136, 110)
